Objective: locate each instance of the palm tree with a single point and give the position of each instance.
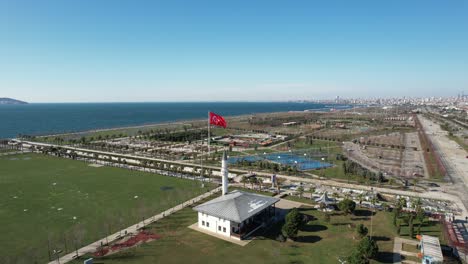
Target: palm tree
(360, 198)
(260, 183)
(300, 191)
(253, 181)
(244, 180)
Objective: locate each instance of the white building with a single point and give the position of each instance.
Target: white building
(236, 214)
(431, 251)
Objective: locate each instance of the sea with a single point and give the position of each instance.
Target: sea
(55, 118)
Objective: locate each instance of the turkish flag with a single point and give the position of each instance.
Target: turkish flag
(217, 120)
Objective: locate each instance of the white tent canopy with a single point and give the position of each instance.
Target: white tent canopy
(324, 199)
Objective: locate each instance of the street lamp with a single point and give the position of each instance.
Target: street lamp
(372, 212)
(323, 168)
(297, 167)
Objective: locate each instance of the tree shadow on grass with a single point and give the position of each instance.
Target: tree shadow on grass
(336, 213)
(363, 212)
(313, 228)
(360, 218)
(341, 224)
(308, 239)
(386, 257)
(381, 238)
(300, 209)
(296, 262)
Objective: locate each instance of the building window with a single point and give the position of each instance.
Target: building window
(219, 228)
(224, 229)
(203, 223)
(207, 224)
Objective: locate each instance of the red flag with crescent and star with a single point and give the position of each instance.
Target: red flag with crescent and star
(217, 120)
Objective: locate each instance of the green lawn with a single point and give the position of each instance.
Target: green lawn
(460, 141)
(427, 228)
(300, 199)
(318, 242)
(316, 143)
(40, 195)
(5, 150)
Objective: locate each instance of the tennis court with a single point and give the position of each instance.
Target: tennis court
(302, 162)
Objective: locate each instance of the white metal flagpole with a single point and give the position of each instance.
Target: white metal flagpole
(209, 134)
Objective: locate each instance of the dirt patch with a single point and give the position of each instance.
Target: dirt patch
(127, 242)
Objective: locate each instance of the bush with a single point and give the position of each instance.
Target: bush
(347, 206)
(368, 248)
(293, 221)
(294, 217)
(290, 230)
(357, 258)
(361, 230)
(327, 217)
(281, 238)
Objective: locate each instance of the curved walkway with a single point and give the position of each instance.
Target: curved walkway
(437, 195)
(91, 248)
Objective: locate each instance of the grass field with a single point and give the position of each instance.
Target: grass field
(40, 196)
(5, 150)
(318, 242)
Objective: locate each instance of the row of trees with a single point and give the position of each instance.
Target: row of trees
(354, 168)
(408, 217)
(144, 163)
(181, 136)
(270, 166)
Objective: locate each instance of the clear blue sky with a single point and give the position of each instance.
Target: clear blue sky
(98, 50)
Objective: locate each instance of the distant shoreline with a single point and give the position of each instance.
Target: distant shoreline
(178, 122)
(44, 119)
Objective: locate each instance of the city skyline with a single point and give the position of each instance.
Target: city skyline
(211, 51)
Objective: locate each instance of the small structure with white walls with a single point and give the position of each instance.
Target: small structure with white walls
(431, 252)
(235, 214)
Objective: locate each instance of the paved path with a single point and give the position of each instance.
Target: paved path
(13, 152)
(453, 157)
(436, 195)
(91, 248)
(397, 248)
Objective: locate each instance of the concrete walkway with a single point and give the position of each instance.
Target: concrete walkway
(398, 246)
(14, 152)
(436, 195)
(228, 239)
(91, 248)
(452, 155)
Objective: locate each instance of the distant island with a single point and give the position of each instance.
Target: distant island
(5, 100)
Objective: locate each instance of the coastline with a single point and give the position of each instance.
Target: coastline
(182, 121)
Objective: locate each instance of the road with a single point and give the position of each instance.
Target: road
(436, 195)
(452, 155)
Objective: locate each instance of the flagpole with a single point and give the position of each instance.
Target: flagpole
(209, 134)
